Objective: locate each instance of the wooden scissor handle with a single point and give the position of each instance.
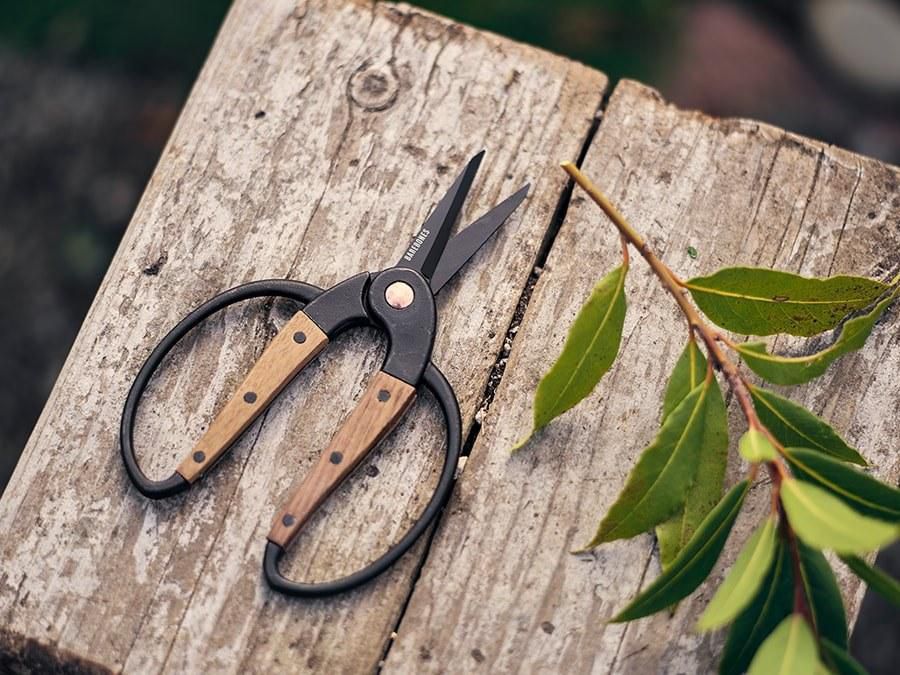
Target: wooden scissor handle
(378, 411)
(290, 351)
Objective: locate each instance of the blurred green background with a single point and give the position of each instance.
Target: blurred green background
(90, 89)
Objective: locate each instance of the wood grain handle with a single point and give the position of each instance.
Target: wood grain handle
(378, 411)
(293, 347)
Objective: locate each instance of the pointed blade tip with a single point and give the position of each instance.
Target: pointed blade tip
(475, 162)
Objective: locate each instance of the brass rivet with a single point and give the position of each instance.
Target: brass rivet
(399, 295)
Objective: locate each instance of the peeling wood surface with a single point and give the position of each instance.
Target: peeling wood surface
(313, 145)
(499, 591)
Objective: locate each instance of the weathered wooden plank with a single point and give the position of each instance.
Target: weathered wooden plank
(315, 141)
(499, 591)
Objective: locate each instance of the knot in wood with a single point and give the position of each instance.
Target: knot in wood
(374, 87)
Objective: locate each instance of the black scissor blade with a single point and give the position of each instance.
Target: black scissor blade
(427, 246)
(466, 243)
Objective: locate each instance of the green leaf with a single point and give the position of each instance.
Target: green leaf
(756, 447)
(864, 493)
(755, 301)
(745, 578)
(658, 483)
(773, 603)
(796, 426)
(789, 650)
(840, 660)
(825, 602)
(823, 521)
(875, 579)
(589, 351)
(706, 490)
(689, 371)
(800, 369)
(695, 561)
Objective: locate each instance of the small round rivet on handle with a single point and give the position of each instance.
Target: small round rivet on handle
(399, 295)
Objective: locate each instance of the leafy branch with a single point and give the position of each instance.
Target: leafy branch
(780, 596)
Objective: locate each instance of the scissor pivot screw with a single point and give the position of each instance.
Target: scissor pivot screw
(399, 295)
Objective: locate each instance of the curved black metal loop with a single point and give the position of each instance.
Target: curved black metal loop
(435, 381)
(294, 290)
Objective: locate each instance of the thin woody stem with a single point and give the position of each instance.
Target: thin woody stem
(717, 358)
(706, 333)
(678, 290)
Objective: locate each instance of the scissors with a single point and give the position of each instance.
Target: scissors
(398, 301)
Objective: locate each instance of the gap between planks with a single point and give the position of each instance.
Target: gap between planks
(495, 374)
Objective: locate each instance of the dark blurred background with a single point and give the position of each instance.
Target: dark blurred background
(90, 89)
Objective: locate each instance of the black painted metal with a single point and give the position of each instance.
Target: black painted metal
(410, 330)
(466, 243)
(294, 290)
(435, 381)
(341, 307)
(427, 246)
(360, 300)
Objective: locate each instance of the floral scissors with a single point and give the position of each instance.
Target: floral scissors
(399, 301)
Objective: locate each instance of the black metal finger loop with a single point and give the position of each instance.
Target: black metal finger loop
(293, 290)
(435, 381)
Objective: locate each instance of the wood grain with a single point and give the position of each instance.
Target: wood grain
(287, 354)
(316, 140)
(500, 591)
(377, 413)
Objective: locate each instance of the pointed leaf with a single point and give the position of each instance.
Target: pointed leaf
(657, 485)
(754, 446)
(674, 534)
(744, 579)
(789, 650)
(773, 603)
(875, 579)
(694, 563)
(755, 301)
(589, 351)
(825, 602)
(689, 371)
(823, 521)
(840, 660)
(796, 426)
(864, 493)
(800, 369)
